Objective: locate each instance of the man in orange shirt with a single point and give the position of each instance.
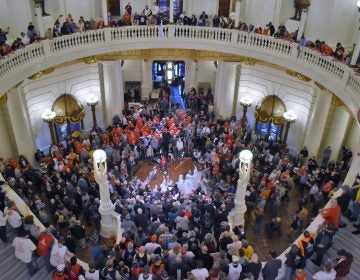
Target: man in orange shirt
(332, 214)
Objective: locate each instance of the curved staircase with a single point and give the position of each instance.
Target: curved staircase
(343, 239)
(13, 269)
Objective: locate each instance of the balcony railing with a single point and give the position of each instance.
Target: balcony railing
(112, 38)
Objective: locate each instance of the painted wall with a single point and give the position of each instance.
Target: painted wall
(209, 6)
(336, 22)
(206, 73)
(80, 80)
(259, 81)
(259, 12)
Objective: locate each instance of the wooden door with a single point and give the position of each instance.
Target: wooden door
(224, 8)
(114, 7)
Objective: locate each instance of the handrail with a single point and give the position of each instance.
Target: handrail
(24, 210)
(109, 39)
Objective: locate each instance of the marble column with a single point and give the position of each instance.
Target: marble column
(6, 150)
(62, 8)
(356, 50)
(302, 24)
(337, 131)
(190, 75)
(189, 7)
(112, 91)
(105, 208)
(354, 169)
(353, 141)
(171, 12)
(277, 12)
(20, 123)
(225, 89)
(104, 9)
(317, 122)
(237, 12)
(146, 79)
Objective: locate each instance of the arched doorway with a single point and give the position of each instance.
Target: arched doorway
(69, 116)
(224, 8)
(269, 117)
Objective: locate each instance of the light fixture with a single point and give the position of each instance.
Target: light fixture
(245, 156)
(48, 116)
(289, 117)
(99, 156)
(92, 101)
(169, 72)
(358, 4)
(246, 102)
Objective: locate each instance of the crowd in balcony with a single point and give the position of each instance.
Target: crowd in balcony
(180, 227)
(151, 16)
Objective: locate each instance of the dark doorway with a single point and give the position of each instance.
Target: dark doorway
(224, 8)
(114, 7)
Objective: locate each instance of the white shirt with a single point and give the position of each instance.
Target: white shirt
(58, 255)
(234, 272)
(14, 217)
(23, 249)
(200, 273)
(155, 10)
(322, 275)
(150, 247)
(92, 275)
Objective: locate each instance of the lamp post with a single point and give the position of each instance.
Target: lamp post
(289, 117)
(105, 208)
(169, 74)
(236, 215)
(92, 101)
(48, 116)
(246, 102)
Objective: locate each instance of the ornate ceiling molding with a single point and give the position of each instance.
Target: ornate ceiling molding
(169, 54)
(336, 101)
(297, 75)
(42, 73)
(320, 86)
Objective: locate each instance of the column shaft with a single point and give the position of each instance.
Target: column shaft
(171, 11)
(337, 131)
(190, 74)
(237, 12)
(277, 11)
(317, 122)
(225, 89)
(6, 150)
(146, 79)
(356, 51)
(21, 125)
(104, 10)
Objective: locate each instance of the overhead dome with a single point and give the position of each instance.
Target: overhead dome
(67, 108)
(271, 108)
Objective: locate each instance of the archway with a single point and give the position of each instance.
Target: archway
(69, 116)
(269, 117)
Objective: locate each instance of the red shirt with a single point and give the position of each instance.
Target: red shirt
(44, 243)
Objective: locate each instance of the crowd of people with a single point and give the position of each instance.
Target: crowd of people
(152, 16)
(169, 231)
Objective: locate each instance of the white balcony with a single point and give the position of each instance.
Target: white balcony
(334, 75)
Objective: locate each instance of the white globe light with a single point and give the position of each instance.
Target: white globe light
(92, 100)
(290, 116)
(48, 115)
(358, 4)
(99, 156)
(246, 156)
(246, 101)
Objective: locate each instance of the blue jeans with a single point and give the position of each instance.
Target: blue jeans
(289, 273)
(32, 267)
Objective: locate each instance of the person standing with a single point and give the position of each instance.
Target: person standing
(3, 221)
(343, 264)
(271, 268)
(128, 8)
(24, 249)
(58, 253)
(14, 217)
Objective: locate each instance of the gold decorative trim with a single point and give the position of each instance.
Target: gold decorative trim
(248, 61)
(42, 73)
(320, 86)
(297, 75)
(3, 99)
(92, 59)
(336, 101)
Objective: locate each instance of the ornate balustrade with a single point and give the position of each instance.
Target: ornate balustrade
(336, 76)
